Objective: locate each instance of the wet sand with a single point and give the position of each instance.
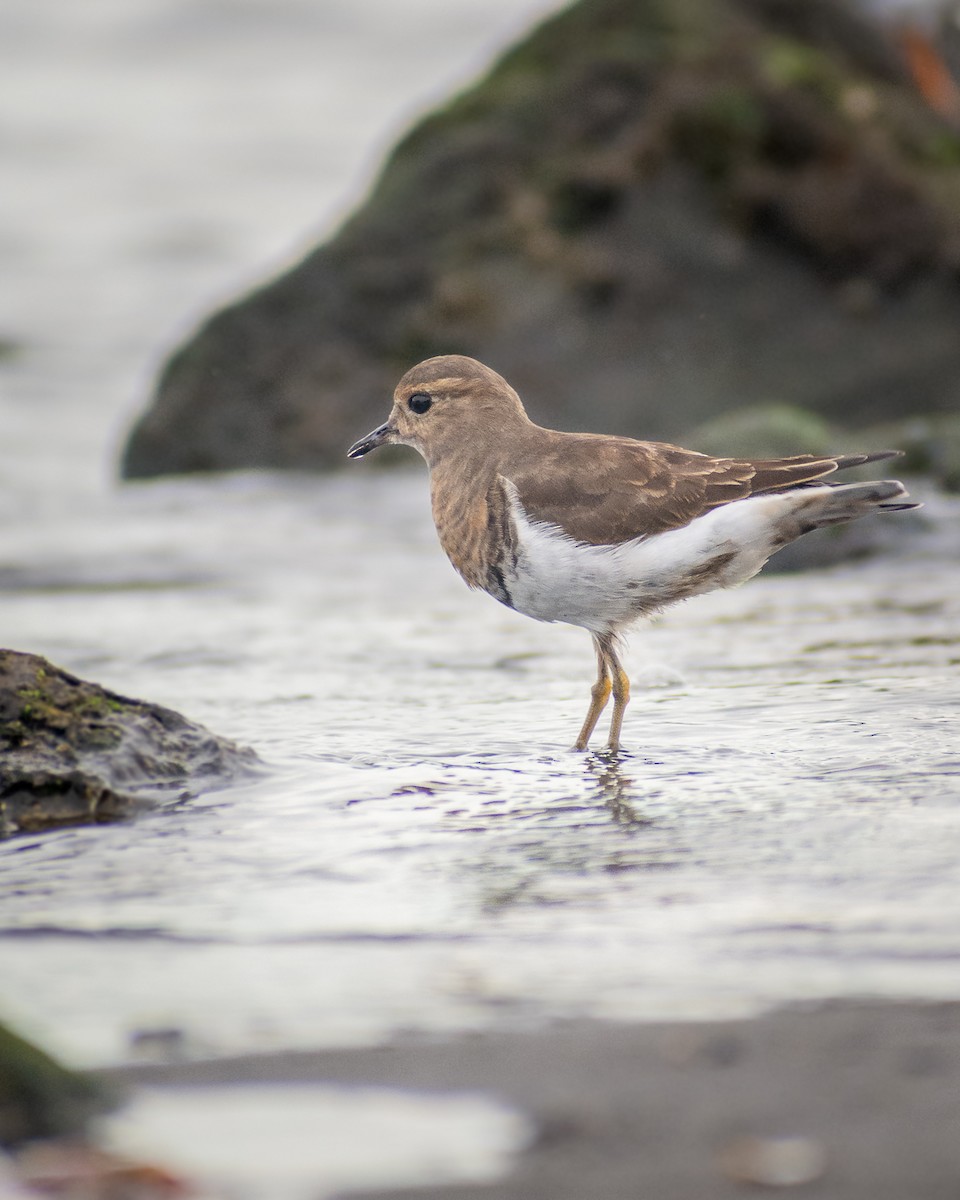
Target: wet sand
(841, 1102)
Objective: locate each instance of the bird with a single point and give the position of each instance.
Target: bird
(596, 530)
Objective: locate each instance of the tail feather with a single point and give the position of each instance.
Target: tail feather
(834, 504)
(781, 474)
(858, 460)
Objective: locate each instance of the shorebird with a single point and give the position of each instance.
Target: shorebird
(594, 530)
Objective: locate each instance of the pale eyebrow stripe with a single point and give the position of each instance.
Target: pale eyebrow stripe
(439, 383)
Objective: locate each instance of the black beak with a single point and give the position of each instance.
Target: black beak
(379, 437)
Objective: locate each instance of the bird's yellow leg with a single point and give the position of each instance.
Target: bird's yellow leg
(599, 695)
(621, 697)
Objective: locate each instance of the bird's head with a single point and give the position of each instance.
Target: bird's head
(444, 404)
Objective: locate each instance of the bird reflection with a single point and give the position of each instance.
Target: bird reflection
(616, 790)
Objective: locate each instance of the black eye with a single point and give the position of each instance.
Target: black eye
(419, 402)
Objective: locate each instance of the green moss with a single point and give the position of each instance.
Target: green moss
(764, 431)
(14, 733)
(39, 1098)
(94, 704)
(939, 148)
(786, 63)
(85, 718)
(36, 707)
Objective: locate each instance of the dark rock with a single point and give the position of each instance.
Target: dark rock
(771, 430)
(39, 1098)
(766, 431)
(647, 213)
(931, 446)
(73, 753)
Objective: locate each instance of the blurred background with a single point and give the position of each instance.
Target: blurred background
(158, 157)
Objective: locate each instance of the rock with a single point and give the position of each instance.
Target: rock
(646, 214)
(73, 753)
(48, 1134)
(771, 430)
(931, 446)
(39, 1098)
(765, 431)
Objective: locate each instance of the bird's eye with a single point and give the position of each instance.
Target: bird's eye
(419, 402)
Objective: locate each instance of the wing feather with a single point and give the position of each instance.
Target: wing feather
(602, 489)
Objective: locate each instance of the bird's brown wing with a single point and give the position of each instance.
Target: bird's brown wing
(606, 489)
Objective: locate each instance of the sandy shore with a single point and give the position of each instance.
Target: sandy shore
(845, 1101)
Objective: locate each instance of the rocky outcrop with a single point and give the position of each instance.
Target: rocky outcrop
(72, 752)
(647, 213)
(40, 1098)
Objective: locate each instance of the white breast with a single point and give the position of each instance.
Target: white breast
(603, 588)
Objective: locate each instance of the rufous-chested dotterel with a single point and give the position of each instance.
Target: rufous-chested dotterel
(594, 530)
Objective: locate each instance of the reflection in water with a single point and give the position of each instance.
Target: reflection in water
(617, 791)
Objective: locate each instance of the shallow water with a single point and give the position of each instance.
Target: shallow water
(425, 852)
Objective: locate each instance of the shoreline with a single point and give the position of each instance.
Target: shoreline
(844, 1100)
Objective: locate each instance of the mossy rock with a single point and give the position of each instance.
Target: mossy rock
(647, 213)
(779, 430)
(931, 446)
(40, 1098)
(72, 752)
(765, 431)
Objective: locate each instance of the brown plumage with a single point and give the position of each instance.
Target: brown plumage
(588, 528)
